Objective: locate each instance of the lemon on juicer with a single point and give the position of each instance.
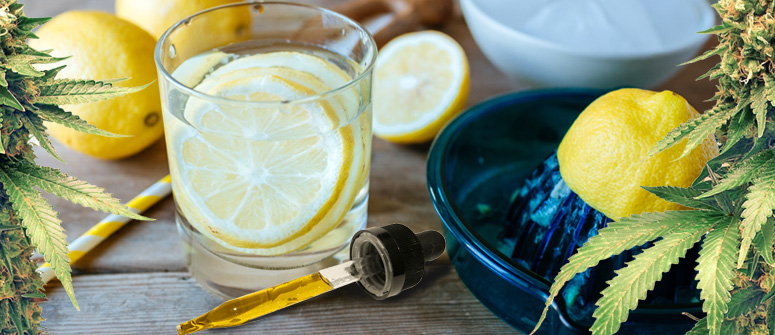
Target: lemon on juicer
(604, 156)
(595, 177)
(104, 47)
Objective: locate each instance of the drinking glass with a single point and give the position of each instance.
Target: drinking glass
(267, 115)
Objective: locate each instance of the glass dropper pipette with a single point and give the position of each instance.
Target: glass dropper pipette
(383, 260)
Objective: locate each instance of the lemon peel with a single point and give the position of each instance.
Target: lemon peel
(102, 46)
(604, 156)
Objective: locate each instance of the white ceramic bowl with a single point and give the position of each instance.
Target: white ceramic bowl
(542, 62)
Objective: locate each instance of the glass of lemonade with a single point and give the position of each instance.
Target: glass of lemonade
(267, 115)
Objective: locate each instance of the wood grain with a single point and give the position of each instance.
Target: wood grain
(155, 303)
(136, 282)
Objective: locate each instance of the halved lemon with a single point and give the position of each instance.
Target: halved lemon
(421, 83)
(264, 180)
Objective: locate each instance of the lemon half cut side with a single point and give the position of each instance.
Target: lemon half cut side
(421, 83)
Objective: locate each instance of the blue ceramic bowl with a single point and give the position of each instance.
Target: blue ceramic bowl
(474, 168)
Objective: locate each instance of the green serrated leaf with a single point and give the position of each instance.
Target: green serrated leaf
(58, 115)
(76, 191)
(722, 28)
(22, 63)
(710, 73)
(35, 125)
(700, 328)
(27, 23)
(715, 271)
(763, 242)
(759, 106)
(696, 130)
(757, 208)
(51, 73)
(7, 98)
(701, 132)
(35, 295)
(744, 301)
(42, 226)
(3, 82)
(769, 87)
(29, 51)
(707, 54)
(623, 235)
(743, 172)
(730, 327)
(634, 281)
(71, 91)
(739, 128)
(682, 196)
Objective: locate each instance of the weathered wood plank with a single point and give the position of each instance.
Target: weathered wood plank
(154, 303)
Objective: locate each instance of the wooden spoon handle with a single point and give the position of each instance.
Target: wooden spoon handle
(360, 10)
(404, 15)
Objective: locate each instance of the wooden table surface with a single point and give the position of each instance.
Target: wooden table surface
(137, 283)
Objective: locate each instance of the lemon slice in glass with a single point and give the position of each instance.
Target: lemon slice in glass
(266, 179)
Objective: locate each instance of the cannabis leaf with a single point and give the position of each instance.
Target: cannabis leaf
(634, 281)
(759, 204)
(743, 172)
(28, 23)
(764, 241)
(682, 196)
(623, 235)
(744, 301)
(53, 113)
(715, 270)
(700, 328)
(22, 63)
(7, 99)
(707, 54)
(696, 130)
(759, 107)
(35, 125)
(76, 191)
(739, 128)
(42, 226)
(72, 91)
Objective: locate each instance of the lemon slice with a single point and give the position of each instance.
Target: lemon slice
(421, 82)
(260, 196)
(328, 73)
(325, 72)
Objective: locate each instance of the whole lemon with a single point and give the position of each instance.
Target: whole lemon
(102, 46)
(156, 16)
(604, 156)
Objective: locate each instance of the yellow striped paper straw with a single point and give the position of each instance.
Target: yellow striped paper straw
(109, 225)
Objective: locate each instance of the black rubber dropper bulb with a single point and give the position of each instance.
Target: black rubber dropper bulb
(399, 256)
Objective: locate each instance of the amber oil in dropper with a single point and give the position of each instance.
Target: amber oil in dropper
(240, 310)
(243, 309)
(384, 261)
